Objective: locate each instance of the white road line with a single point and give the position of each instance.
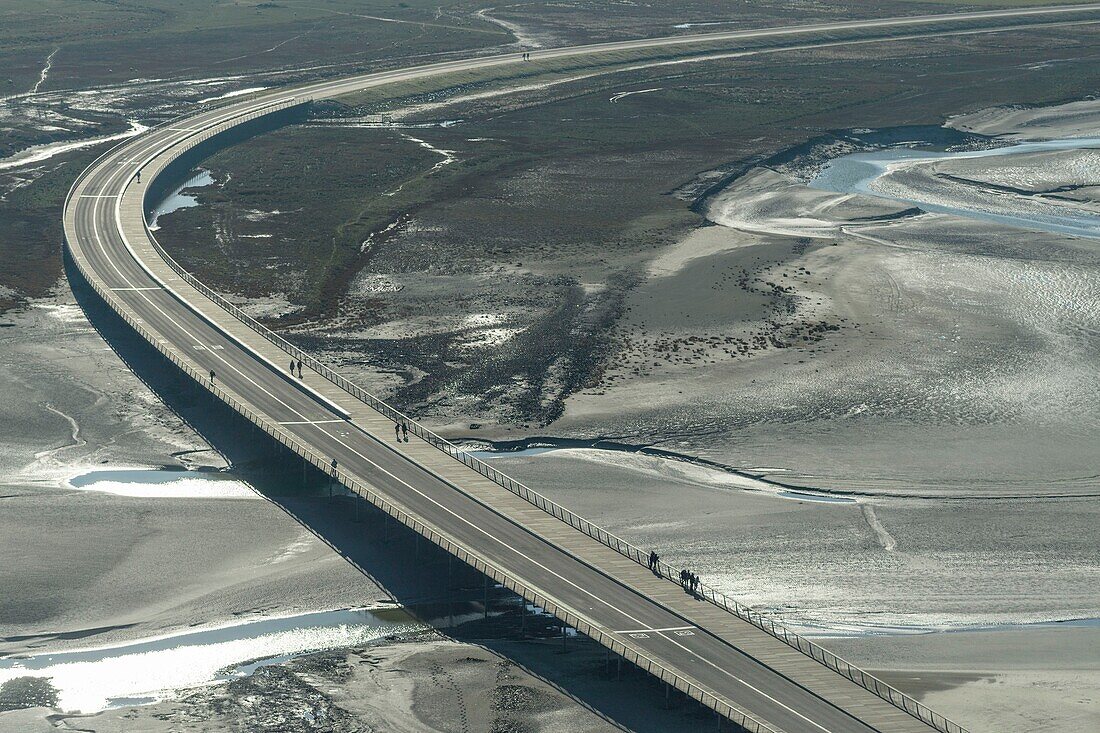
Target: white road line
(309, 422)
(670, 628)
(132, 289)
(99, 195)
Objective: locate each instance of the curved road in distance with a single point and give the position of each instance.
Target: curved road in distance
(729, 664)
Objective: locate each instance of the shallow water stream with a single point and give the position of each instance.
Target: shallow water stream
(865, 173)
(177, 200)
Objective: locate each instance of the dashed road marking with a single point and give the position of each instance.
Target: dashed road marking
(670, 628)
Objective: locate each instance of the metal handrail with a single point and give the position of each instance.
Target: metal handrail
(869, 682)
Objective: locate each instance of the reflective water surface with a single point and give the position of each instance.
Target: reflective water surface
(177, 200)
(150, 670)
(163, 484)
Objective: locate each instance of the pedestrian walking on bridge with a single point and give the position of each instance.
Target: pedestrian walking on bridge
(299, 369)
(397, 431)
(405, 431)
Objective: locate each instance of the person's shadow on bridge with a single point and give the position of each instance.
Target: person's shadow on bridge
(440, 590)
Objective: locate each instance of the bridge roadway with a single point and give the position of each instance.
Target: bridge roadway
(742, 671)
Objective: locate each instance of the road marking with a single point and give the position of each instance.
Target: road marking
(309, 422)
(671, 628)
(483, 531)
(134, 289)
(99, 195)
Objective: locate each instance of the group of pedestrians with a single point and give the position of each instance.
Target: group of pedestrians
(526, 56)
(690, 581)
(299, 365)
(401, 429)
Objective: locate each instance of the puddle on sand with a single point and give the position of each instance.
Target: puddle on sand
(163, 484)
(150, 670)
(177, 200)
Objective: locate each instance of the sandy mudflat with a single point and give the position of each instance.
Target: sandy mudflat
(87, 564)
(930, 356)
(1073, 119)
(944, 369)
(1033, 679)
(768, 202)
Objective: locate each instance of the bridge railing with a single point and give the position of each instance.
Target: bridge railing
(764, 622)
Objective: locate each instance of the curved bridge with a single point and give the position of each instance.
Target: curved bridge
(740, 664)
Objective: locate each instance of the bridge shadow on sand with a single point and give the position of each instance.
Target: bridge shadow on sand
(456, 600)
